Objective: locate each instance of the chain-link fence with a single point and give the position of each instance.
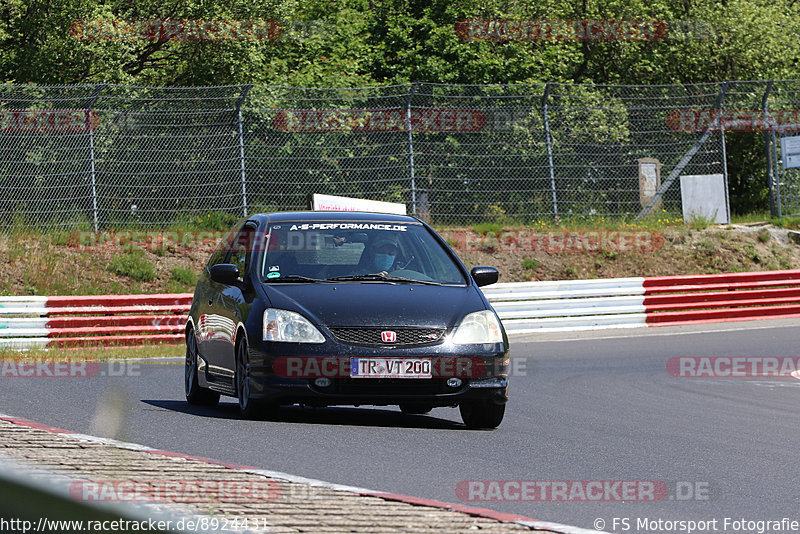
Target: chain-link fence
(107, 156)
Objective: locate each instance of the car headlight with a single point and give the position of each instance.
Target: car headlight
(290, 327)
(478, 327)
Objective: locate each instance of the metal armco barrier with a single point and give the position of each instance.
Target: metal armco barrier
(672, 300)
(39, 322)
(531, 307)
(525, 307)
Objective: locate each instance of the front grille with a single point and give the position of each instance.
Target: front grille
(392, 386)
(371, 337)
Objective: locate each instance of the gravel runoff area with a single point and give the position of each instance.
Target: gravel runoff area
(262, 501)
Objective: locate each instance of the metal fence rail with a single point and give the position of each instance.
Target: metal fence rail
(108, 156)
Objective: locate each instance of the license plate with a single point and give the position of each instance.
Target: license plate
(390, 368)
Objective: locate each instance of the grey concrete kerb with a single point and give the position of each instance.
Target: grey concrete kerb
(103, 469)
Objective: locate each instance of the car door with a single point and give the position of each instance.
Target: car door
(232, 299)
(207, 300)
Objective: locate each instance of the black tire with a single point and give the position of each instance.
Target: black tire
(482, 414)
(194, 393)
(411, 408)
(248, 407)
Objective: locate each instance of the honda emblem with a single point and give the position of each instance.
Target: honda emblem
(387, 336)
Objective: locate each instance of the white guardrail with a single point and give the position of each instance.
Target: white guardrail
(529, 307)
(524, 308)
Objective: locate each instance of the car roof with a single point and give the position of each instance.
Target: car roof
(292, 216)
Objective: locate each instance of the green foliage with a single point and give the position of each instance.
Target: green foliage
(787, 222)
(349, 43)
(699, 222)
(707, 247)
(763, 235)
(751, 253)
(356, 43)
(133, 265)
(486, 228)
(212, 220)
(530, 264)
(184, 276)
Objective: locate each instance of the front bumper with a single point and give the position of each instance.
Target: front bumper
(482, 371)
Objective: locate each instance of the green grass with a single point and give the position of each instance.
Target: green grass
(530, 264)
(133, 265)
(656, 221)
(756, 216)
(790, 223)
(699, 222)
(751, 253)
(184, 276)
(213, 220)
(486, 228)
(216, 221)
(94, 353)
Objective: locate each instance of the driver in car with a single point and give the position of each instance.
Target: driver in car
(384, 254)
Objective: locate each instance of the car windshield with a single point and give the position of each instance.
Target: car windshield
(337, 251)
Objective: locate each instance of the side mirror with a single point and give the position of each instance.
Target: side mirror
(224, 273)
(484, 276)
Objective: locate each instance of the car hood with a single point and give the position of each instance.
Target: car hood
(377, 304)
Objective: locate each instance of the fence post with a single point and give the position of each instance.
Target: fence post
(411, 149)
(686, 157)
(549, 144)
(239, 103)
(776, 166)
(725, 166)
(90, 127)
(768, 152)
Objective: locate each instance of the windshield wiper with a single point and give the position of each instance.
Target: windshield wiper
(380, 278)
(292, 278)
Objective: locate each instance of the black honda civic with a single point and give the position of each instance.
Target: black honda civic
(344, 308)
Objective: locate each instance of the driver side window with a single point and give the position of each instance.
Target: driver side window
(241, 247)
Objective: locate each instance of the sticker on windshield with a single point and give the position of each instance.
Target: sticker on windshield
(274, 268)
(273, 274)
(350, 226)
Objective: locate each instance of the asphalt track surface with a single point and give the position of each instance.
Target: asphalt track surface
(597, 406)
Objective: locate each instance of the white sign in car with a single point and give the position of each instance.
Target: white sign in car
(790, 151)
(333, 203)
